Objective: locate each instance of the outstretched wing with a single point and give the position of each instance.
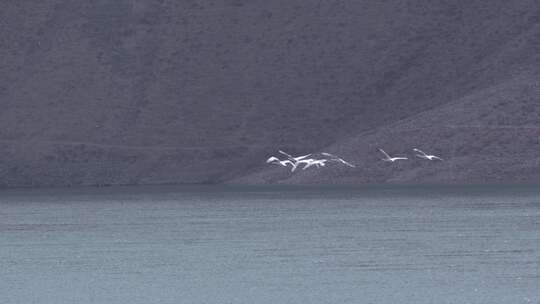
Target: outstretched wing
(336, 158)
(294, 158)
(328, 154)
(340, 160)
(271, 159)
(419, 151)
(286, 154)
(385, 154)
(347, 163)
(302, 157)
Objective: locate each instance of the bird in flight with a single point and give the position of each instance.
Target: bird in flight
(337, 159)
(295, 161)
(390, 159)
(305, 161)
(284, 163)
(423, 155)
(294, 158)
(313, 162)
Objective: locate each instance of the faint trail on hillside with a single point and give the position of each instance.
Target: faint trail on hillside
(504, 127)
(134, 147)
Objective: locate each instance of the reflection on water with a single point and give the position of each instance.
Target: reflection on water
(270, 245)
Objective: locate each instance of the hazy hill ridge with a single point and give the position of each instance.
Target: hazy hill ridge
(139, 92)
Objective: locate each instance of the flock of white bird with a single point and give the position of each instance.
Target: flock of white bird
(307, 162)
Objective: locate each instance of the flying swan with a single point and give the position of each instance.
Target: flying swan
(425, 156)
(390, 159)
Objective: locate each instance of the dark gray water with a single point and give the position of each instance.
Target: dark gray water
(290, 245)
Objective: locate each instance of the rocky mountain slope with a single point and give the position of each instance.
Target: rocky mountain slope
(150, 92)
(491, 136)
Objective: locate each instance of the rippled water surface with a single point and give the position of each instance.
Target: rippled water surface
(270, 245)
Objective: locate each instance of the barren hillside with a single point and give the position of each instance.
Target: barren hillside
(139, 92)
(490, 136)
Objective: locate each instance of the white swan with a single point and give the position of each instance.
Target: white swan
(284, 163)
(313, 162)
(390, 159)
(294, 158)
(337, 159)
(304, 160)
(426, 156)
(295, 161)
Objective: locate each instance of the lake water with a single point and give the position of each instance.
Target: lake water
(270, 245)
